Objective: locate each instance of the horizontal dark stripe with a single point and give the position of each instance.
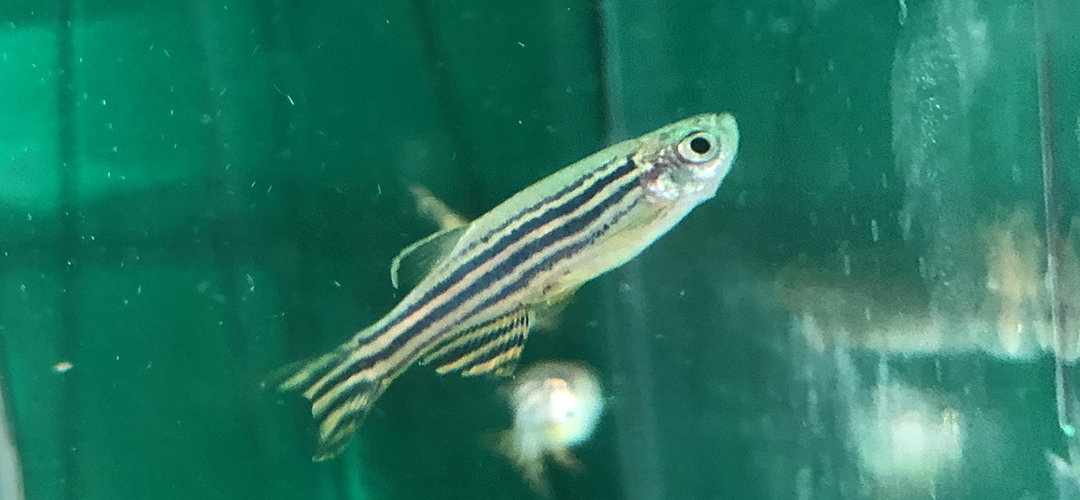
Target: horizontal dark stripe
(516, 235)
(526, 278)
(501, 270)
(549, 262)
(519, 256)
(524, 213)
(520, 232)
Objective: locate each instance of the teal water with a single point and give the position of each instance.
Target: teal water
(193, 194)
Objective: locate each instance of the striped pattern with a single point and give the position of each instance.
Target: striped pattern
(472, 313)
(490, 347)
(492, 277)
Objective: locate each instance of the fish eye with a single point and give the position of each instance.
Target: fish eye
(698, 147)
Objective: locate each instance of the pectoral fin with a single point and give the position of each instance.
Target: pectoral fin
(433, 209)
(546, 314)
(417, 260)
(493, 347)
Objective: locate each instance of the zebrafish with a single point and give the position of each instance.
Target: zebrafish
(476, 288)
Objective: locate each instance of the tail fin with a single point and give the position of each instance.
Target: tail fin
(342, 389)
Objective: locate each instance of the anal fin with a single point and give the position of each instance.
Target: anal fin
(492, 347)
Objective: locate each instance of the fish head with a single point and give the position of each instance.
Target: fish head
(687, 160)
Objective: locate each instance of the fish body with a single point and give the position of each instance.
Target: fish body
(482, 282)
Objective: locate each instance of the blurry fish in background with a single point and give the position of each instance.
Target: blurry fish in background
(859, 298)
(1017, 294)
(874, 298)
(556, 405)
(962, 278)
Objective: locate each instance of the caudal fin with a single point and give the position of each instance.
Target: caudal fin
(342, 389)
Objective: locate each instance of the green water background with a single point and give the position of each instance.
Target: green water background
(193, 193)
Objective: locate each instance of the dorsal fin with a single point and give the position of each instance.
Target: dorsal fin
(493, 346)
(418, 259)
